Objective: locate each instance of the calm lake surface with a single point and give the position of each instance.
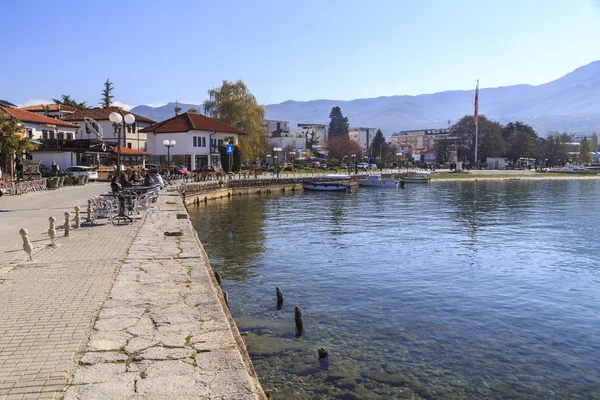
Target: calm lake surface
(452, 290)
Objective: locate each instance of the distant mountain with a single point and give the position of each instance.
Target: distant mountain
(568, 104)
(161, 113)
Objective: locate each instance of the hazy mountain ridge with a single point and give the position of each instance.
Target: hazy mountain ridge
(568, 104)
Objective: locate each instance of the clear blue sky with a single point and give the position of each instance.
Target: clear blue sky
(156, 51)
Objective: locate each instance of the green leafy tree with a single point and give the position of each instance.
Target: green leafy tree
(585, 154)
(594, 142)
(311, 139)
(521, 140)
(66, 100)
(553, 149)
(233, 104)
(11, 141)
(490, 142)
(377, 144)
(107, 96)
(339, 124)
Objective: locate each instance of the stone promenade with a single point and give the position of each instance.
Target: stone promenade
(113, 312)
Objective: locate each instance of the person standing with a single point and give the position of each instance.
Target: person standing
(54, 168)
(19, 167)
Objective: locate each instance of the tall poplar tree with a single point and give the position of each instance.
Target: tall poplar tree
(233, 104)
(339, 124)
(107, 94)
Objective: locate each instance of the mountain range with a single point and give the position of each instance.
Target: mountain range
(569, 104)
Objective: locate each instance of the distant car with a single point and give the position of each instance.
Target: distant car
(80, 170)
(151, 166)
(362, 166)
(210, 168)
(371, 166)
(180, 170)
(343, 165)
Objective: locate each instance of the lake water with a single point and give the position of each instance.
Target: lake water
(452, 290)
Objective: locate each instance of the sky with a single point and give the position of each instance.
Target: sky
(157, 52)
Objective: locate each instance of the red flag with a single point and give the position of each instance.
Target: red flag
(476, 103)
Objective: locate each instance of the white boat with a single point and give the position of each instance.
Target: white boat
(325, 187)
(377, 181)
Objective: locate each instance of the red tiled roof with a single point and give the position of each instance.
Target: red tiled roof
(191, 121)
(27, 116)
(102, 114)
(49, 107)
(132, 152)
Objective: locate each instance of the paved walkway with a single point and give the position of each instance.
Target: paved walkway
(163, 332)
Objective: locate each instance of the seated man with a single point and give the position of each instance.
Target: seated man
(148, 180)
(124, 182)
(115, 186)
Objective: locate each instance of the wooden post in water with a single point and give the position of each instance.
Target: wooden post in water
(218, 277)
(279, 298)
(298, 317)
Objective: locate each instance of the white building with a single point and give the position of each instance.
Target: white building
(319, 130)
(38, 127)
(133, 138)
(272, 125)
(363, 136)
(196, 137)
(289, 141)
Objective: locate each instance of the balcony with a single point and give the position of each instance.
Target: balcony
(77, 145)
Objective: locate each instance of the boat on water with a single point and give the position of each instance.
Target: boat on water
(378, 181)
(325, 186)
(415, 179)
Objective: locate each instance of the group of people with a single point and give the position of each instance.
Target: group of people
(150, 179)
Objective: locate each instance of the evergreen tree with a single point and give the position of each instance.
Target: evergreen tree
(233, 104)
(107, 96)
(377, 145)
(66, 100)
(338, 124)
(594, 142)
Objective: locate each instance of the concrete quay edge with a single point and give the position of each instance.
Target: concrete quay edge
(164, 331)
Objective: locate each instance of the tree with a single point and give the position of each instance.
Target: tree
(553, 149)
(11, 142)
(521, 140)
(339, 124)
(342, 146)
(311, 139)
(107, 94)
(585, 155)
(594, 142)
(490, 142)
(233, 104)
(377, 144)
(66, 100)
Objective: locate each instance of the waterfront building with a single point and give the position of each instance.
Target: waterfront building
(421, 138)
(56, 111)
(133, 137)
(289, 141)
(272, 125)
(197, 138)
(320, 132)
(363, 136)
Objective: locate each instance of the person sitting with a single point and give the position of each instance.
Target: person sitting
(134, 178)
(124, 182)
(157, 179)
(148, 180)
(115, 186)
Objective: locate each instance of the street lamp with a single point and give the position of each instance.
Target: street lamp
(354, 162)
(293, 155)
(276, 156)
(169, 144)
(116, 118)
(399, 155)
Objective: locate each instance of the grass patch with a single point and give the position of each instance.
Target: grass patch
(188, 340)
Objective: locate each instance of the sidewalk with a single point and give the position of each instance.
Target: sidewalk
(162, 332)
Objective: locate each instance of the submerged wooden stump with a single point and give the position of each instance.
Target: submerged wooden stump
(298, 318)
(279, 298)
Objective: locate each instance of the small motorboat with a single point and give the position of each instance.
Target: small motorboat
(415, 179)
(325, 186)
(377, 181)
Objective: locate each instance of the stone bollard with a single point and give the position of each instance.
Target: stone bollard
(77, 218)
(67, 225)
(27, 246)
(89, 212)
(52, 230)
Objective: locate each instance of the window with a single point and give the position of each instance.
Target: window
(129, 144)
(69, 136)
(30, 133)
(51, 134)
(195, 141)
(44, 134)
(60, 135)
(203, 142)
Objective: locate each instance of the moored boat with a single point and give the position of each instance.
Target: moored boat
(415, 179)
(325, 186)
(377, 181)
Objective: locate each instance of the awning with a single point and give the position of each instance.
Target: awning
(131, 152)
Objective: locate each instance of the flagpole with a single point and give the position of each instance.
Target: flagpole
(476, 124)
